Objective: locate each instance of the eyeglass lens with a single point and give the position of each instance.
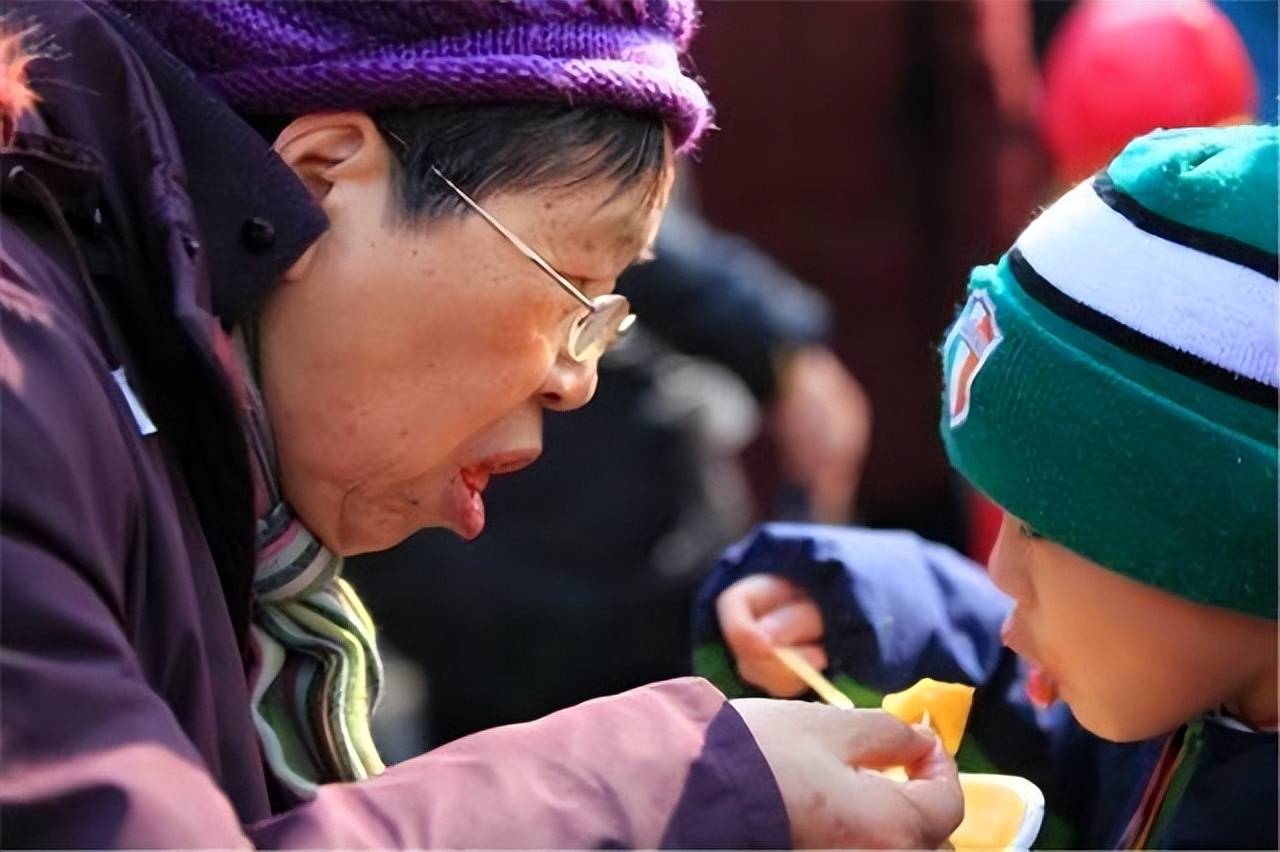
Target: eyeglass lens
(594, 332)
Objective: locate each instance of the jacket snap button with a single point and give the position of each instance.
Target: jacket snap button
(258, 234)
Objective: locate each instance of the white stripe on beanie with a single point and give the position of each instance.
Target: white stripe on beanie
(1219, 311)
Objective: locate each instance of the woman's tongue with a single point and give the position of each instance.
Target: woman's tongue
(468, 505)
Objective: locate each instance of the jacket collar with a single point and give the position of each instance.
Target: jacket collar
(255, 217)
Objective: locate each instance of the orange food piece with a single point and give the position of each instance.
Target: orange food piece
(1000, 811)
(943, 706)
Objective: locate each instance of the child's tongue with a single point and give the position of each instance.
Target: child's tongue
(1042, 689)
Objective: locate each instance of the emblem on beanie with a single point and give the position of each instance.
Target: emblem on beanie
(970, 343)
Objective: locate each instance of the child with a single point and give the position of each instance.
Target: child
(1112, 385)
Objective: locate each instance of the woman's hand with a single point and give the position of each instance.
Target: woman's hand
(824, 759)
(763, 612)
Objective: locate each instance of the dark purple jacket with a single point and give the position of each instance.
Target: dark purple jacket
(137, 213)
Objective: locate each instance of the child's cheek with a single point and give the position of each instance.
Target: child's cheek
(1126, 695)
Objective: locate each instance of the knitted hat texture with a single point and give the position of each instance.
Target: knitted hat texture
(283, 57)
(1112, 380)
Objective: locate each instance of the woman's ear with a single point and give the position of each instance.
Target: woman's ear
(325, 148)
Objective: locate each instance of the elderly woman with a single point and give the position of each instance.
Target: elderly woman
(322, 268)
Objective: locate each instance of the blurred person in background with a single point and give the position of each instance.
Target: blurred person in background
(566, 598)
(853, 135)
(267, 303)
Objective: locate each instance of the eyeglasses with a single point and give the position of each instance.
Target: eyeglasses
(607, 318)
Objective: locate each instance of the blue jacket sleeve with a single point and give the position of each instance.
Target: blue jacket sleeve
(897, 608)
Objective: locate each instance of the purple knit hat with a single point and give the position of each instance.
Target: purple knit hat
(287, 57)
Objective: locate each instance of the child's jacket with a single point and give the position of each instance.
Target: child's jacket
(897, 608)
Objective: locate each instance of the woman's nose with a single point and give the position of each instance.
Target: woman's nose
(570, 384)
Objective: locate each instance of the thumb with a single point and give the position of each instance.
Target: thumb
(879, 740)
(933, 787)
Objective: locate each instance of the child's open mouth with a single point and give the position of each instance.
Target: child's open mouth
(1042, 686)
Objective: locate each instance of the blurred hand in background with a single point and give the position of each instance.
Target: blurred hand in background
(822, 427)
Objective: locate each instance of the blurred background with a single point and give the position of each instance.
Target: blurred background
(785, 364)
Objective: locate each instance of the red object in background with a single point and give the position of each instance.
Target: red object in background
(1116, 70)
(984, 525)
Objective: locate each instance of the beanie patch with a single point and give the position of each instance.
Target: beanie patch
(972, 340)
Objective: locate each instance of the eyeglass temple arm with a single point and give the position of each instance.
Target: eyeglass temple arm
(520, 244)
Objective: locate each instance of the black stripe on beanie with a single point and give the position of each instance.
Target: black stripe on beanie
(1133, 341)
(1227, 248)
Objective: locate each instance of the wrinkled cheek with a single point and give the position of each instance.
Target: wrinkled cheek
(510, 386)
(520, 360)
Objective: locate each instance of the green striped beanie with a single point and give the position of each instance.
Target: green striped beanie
(1112, 381)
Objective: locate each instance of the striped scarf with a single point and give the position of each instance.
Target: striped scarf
(318, 675)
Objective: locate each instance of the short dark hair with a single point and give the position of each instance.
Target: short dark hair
(497, 147)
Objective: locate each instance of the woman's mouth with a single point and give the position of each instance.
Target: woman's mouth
(1042, 685)
(467, 503)
(467, 489)
(477, 479)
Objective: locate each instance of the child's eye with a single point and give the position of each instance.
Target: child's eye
(1028, 532)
